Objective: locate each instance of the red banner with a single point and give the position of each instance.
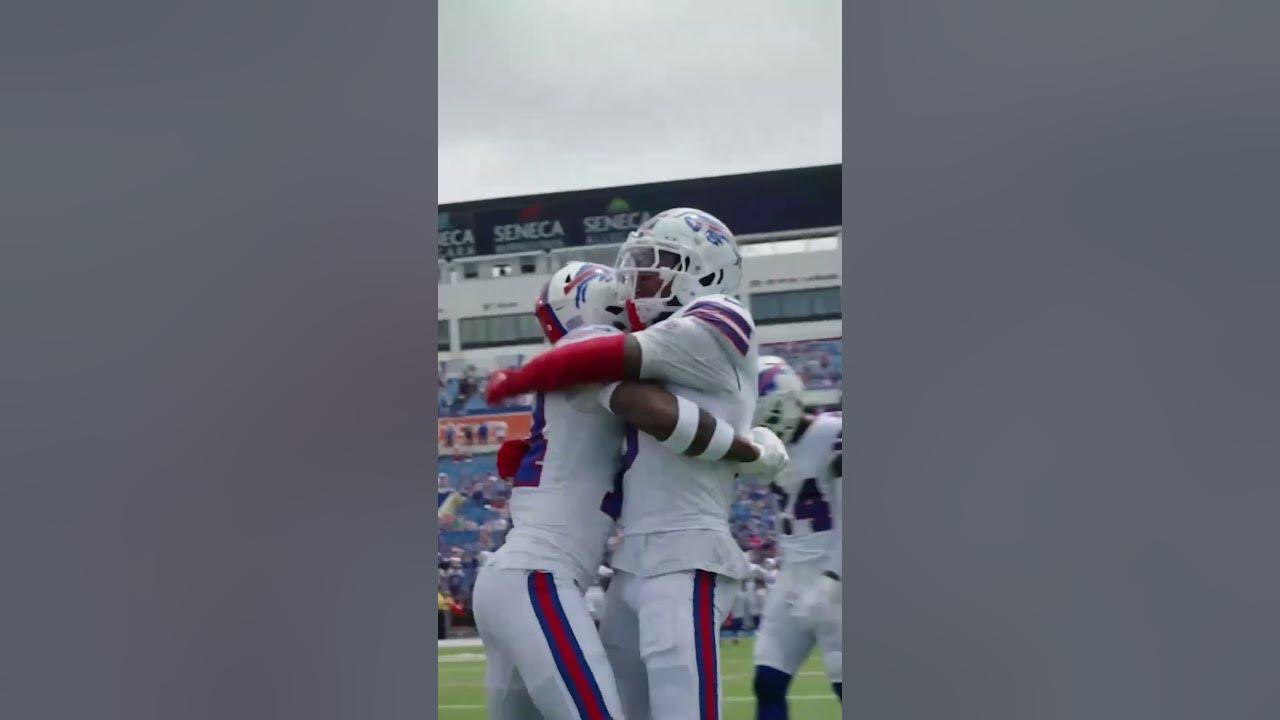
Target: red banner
(474, 434)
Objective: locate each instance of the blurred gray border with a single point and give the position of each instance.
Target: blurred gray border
(1060, 360)
(215, 380)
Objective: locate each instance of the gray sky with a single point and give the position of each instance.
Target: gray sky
(546, 95)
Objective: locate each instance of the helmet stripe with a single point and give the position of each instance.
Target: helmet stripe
(767, 377)
(583, 275)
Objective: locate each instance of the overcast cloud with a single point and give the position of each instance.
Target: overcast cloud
(546, 95)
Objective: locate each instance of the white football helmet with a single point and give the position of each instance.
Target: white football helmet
(674, 258)
(780, 405)
(579, 294)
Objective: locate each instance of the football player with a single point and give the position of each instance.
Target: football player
(803, 607)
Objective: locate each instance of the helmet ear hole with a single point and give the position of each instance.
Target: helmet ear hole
(707, 279)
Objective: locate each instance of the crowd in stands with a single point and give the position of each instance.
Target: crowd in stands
(818, 362)
(462, 392)
(479, 525)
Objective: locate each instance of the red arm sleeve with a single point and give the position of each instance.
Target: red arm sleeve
(590, 361)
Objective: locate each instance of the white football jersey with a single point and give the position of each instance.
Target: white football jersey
(558, 522)
(676, 511)
(808, 494)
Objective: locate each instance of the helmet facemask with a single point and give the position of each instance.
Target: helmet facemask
(783, 417)
(674, 258)
(654, 279)
(780, 398)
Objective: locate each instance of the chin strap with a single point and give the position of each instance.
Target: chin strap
(633, 316)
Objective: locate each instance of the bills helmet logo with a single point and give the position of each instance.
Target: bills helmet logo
(716, 233)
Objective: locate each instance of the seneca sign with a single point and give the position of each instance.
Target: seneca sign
(534, 230)
(608, 223)
(456, 243)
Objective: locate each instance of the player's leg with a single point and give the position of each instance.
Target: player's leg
(505, 693)
(832, 646)
(564, 664)
(548, 634)
(620, 635)
(680, 616)
(506, 696)
(782, 645)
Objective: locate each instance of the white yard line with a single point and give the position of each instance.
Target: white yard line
(459, 642)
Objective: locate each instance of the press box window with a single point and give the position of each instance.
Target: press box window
(796, 306)
(498, 330)
(444, 335)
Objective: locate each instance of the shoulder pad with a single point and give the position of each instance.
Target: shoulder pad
(726, 316)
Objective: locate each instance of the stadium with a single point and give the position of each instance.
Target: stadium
(494, 256)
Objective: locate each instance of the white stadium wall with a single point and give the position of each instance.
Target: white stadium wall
(513, 294)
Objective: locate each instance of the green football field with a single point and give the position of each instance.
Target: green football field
(461, 682)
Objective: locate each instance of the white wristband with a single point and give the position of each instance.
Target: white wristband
(686, 426)
(720, 443)
(606, 395)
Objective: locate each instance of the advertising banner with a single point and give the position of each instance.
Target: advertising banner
(455, 236)
(476, 434)
(748, 204)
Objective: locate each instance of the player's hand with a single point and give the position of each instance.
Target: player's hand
(499, 387)
(773, 455)
(510, 455)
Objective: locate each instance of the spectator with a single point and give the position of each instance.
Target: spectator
(443, 616)
(467, 384)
